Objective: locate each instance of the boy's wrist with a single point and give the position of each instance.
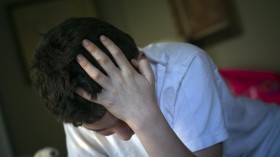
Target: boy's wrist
(145, 120)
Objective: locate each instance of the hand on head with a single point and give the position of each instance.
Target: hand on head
(127, 94)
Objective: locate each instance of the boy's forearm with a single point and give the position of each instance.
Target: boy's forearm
(158, 138)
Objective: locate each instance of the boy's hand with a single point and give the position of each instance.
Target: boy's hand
(128, 95)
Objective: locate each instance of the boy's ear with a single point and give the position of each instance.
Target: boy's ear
(141, 55)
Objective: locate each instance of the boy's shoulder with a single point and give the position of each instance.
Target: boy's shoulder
(172, 52)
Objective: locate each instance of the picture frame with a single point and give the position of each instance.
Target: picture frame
(30, 20)
(204, 22)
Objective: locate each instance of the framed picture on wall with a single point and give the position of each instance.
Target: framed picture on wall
(30, 20)
(204, 21)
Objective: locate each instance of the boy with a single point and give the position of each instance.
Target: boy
(174, 100)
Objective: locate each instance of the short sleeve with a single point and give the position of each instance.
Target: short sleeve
(198, 116)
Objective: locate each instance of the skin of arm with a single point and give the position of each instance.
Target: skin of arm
(130, 96)
(212, 151)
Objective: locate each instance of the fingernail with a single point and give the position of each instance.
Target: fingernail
(102, 38)
(79, 57)
(86, 42)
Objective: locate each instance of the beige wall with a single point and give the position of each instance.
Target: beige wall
(258, 46)
(31, 128)
(146, 21)
(255, 48)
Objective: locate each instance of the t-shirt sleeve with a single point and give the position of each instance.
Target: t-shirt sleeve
(198, 116)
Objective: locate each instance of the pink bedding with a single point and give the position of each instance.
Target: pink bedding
(262, 85)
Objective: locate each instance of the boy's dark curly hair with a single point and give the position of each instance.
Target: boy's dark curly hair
(55, 73)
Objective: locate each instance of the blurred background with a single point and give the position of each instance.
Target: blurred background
(25, 126)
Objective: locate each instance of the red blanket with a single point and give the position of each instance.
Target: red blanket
(262, 85)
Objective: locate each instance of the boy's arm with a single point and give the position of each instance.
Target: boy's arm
(130, 96)
(213, 151)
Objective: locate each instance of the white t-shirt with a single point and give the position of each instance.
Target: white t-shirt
(197, 105)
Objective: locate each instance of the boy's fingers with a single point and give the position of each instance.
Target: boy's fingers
(143, 66)
(93, 72)
(146, 69)
(100, 57)
(135, 63)
(99, 99)
(82, 93)
(116, 52)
